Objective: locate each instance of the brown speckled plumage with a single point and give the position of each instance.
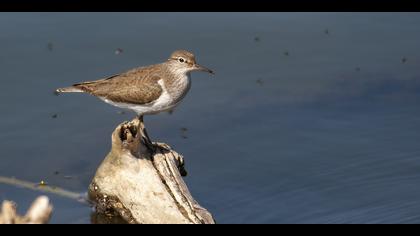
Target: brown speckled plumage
(137, 86)
(146, 90)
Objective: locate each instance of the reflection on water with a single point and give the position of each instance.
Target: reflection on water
(311, 117)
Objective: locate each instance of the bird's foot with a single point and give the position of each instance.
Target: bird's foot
(146, 139)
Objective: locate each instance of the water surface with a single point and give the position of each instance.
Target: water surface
(311, 117)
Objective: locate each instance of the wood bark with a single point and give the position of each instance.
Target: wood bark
(39, 212)
(141, 182)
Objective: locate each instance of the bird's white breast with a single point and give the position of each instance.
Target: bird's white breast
(165, 100)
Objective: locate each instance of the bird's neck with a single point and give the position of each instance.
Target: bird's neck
(178, 83)
(177, 74)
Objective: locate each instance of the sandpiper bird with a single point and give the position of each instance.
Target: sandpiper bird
(145, 90)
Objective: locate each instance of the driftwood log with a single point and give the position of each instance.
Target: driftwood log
(39, 212)
(140, 182)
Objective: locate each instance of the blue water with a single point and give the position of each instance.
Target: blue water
(311, 117)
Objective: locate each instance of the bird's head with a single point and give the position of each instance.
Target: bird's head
(184, 62)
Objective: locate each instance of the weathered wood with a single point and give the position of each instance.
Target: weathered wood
(141, 182)
(39, 212)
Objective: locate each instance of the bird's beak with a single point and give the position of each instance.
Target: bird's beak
(202, 68)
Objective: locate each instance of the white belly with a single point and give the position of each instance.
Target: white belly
(165, 102)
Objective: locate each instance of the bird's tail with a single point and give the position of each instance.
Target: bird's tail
(71, 89)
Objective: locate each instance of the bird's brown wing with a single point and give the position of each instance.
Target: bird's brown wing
(138, 86)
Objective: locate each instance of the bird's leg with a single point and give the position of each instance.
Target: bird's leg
(147, 139)
(144, 130)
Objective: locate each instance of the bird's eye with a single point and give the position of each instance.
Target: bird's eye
(181, 60)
